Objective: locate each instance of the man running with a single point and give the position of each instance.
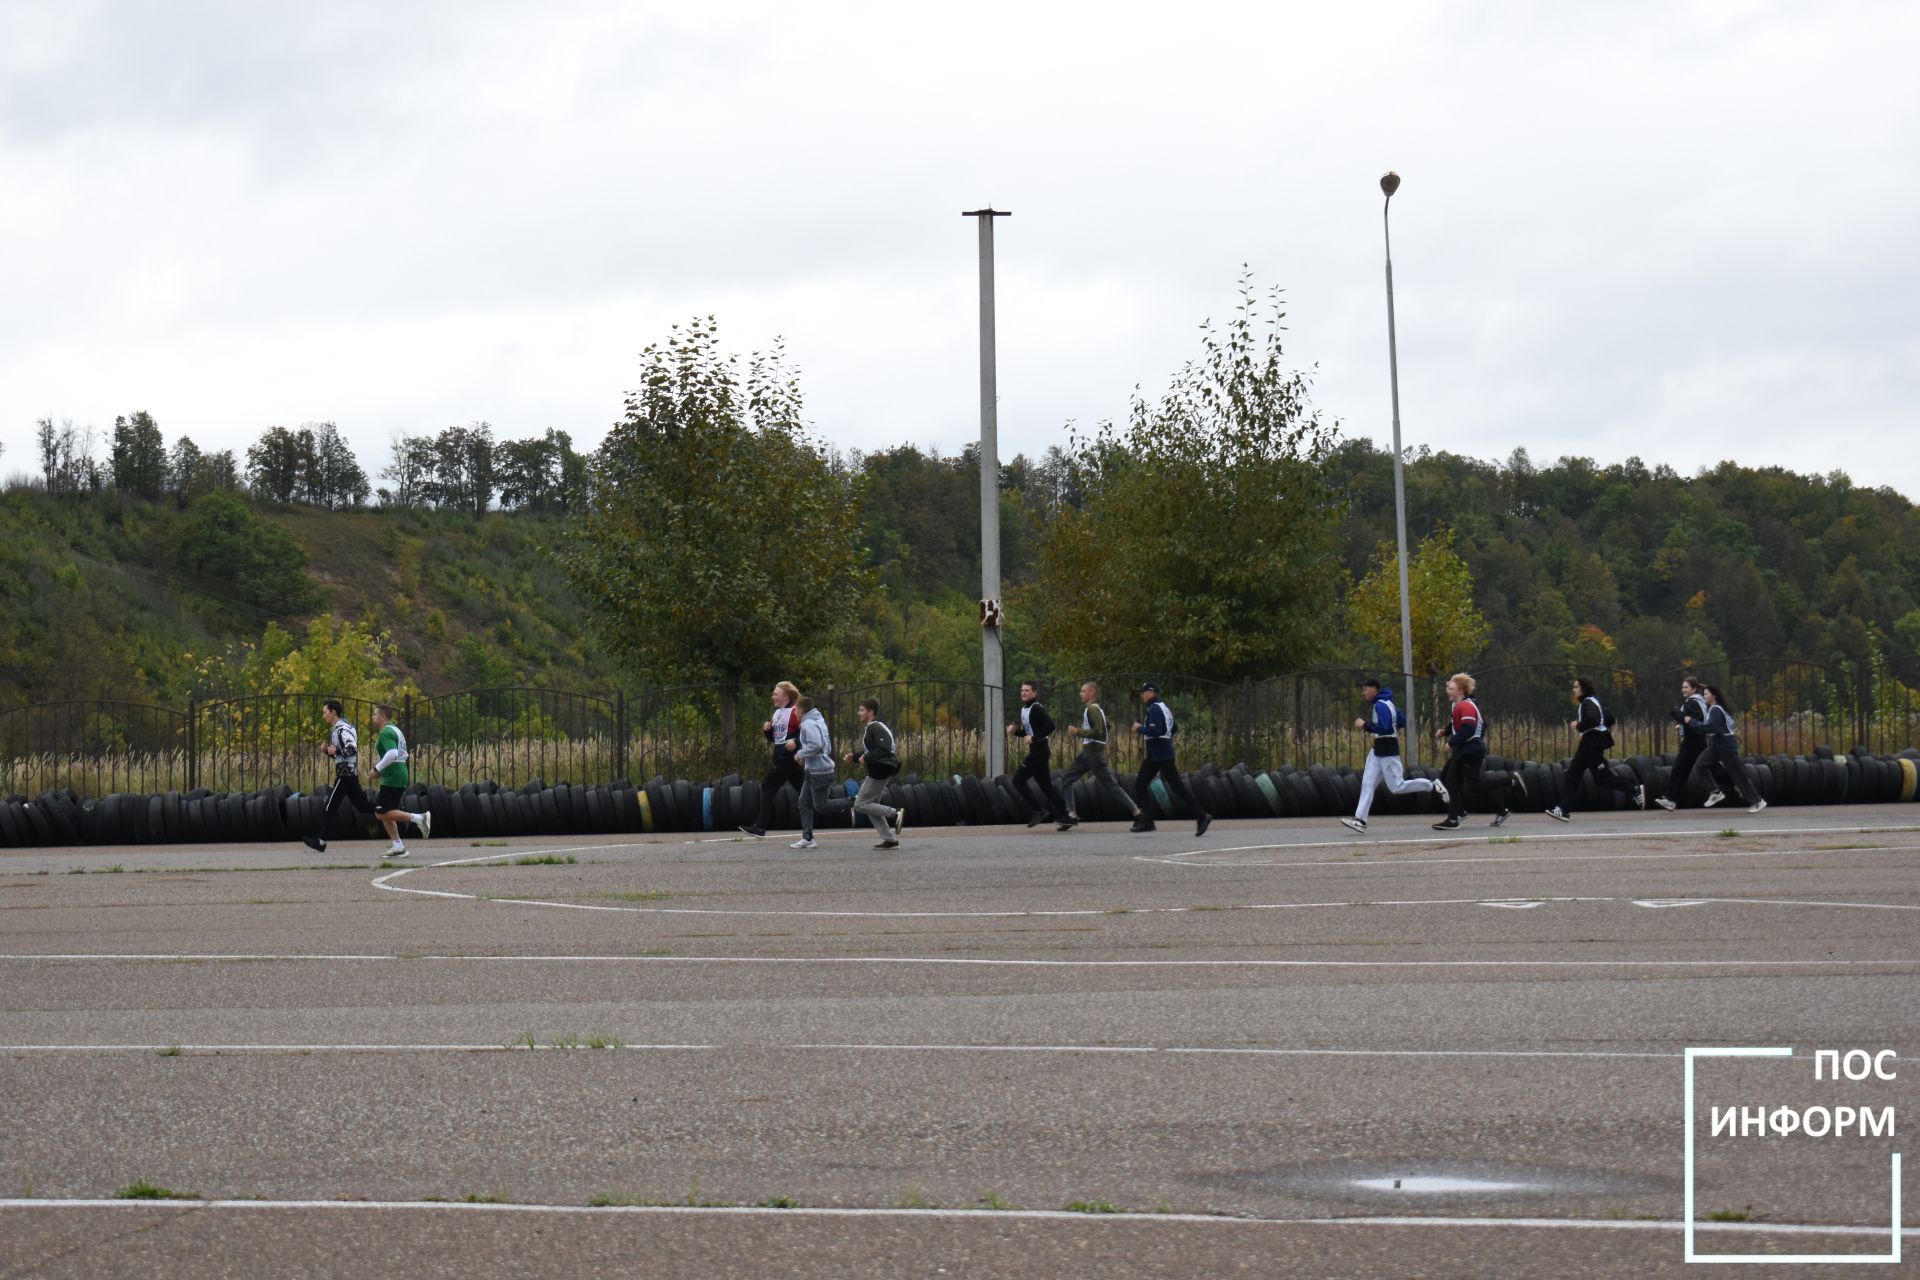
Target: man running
(1384, 721)
(1036, 726)
(879, 758)
(816, 758)
(1691, 716)
(782, 731)
(391, 768)
(1156, 729)
(1092, 734)
(343, 745)
(1590, 756)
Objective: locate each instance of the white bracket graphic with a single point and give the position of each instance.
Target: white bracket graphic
(1893, 1252)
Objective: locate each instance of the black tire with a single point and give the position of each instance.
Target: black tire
(599, 817)
(11, 836)
(978, 804)
(686, 817)
(176, 819)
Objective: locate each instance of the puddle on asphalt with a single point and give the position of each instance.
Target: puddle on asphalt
(1440, 1183)
(1374, 1181)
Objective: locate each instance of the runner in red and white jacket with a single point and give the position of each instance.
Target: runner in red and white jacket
(1466, 735)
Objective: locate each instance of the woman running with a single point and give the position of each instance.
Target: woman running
(1467, 754)
(782, 731)
(1723, 753)
(1596, 735)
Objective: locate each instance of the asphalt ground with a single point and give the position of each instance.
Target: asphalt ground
(1239, 1043)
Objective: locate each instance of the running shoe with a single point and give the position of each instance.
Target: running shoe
(314, 843)
(1201, 824)
(1446, 824)
(899, 821)
(1033, 820)
(1519, 783)
(888, 844)
(1499, 818)
(1714, 798)
(1558, 814)
(1665, 803)
(804, 843)
(426, 825)
(398, 851)
(1756, 806)
(1640, 796)
(1354, 824)
(758, 833)
(1440, 789)
(1067, 823)
(1140, 824)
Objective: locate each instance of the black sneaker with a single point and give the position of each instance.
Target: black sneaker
(758, 833)
(1499, 818)
(1033, 821)
(1200, 826)
(888, 844)
(1446, 824)
(314, 843)
(1141, 824)
(1067, 823)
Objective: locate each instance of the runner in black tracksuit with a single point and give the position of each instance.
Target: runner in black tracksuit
(343, 744)
(1466, 736)
(782, 731)
(1591, 755)
(1036, 726)
(1723, 753)
(1156, 729)
(1691, 716)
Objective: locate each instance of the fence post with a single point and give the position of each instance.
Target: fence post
(619, 733)
(193, 743)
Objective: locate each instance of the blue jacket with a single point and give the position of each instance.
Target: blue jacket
(1156, 728)
(1384, 722)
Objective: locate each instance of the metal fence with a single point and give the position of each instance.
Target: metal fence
(514, 735)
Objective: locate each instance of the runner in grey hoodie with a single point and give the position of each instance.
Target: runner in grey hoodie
(816, 758)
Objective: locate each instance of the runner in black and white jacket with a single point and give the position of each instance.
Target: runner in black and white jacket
(1590, 756)
(1383, 723)
(1691, 716)
(343, 745)
(1723, 752)
(1036, 726)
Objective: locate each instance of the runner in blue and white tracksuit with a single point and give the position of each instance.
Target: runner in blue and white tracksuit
(1383, 723)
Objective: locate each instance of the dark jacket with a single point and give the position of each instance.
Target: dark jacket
(1157, 730)
(1469, 730)
(1691, 716)
(1036, 726)
(877, 754)
(1720, 730)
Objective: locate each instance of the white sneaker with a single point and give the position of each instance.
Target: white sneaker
(1440, 789)
(1665, 803)
(1640, 796)
(1714, 799)
(1756, 806)
(1558, 814)
(802, 843)
(398, 851)
(899, 821)
(1353, 824)
(424, 821)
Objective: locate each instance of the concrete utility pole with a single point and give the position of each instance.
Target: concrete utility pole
(993, 665)
(1390, 183)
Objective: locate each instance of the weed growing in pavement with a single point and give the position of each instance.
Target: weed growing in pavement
(171, 1051)
(1730, 1215)
(523, 1041)
(1505, 839)
(76, 871)
(546, 860)
(694, 1201)
(779, 1202)
(604, 1042)
(114, 870)
(1091, 1206)
(1727, 833)
(994, 1200)
(642, 895)
(486, 844)
(1163, 1205)
(144, 1190)
(911, 1197)
(485, 1197)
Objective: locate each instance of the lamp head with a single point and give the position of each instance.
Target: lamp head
(1389, 183)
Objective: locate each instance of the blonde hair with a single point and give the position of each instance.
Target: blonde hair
(1464, 680)
(793, 694)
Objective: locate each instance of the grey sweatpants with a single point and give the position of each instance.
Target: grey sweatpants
(1093, 760)
(816, 797)
(868, 802)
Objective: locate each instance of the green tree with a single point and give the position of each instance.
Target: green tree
(716, 542)
(1448, 628)
(139, 457)
(277, 464)
(1205, 540)
(262, 564)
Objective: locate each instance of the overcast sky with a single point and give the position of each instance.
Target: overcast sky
(1683, 231)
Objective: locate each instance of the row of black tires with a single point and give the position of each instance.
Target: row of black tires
(484, 809)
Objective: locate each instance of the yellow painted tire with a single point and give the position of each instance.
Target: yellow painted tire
(1909, 778)
(646, 809)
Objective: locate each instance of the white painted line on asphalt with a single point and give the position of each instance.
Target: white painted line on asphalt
(1556, 836)
(1228, 1051)
(1105, 1221)
(1187, 859)
(961, 961)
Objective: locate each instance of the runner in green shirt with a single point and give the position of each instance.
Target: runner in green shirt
(390, 763)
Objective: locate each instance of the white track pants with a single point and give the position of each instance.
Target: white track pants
(1385, 771)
